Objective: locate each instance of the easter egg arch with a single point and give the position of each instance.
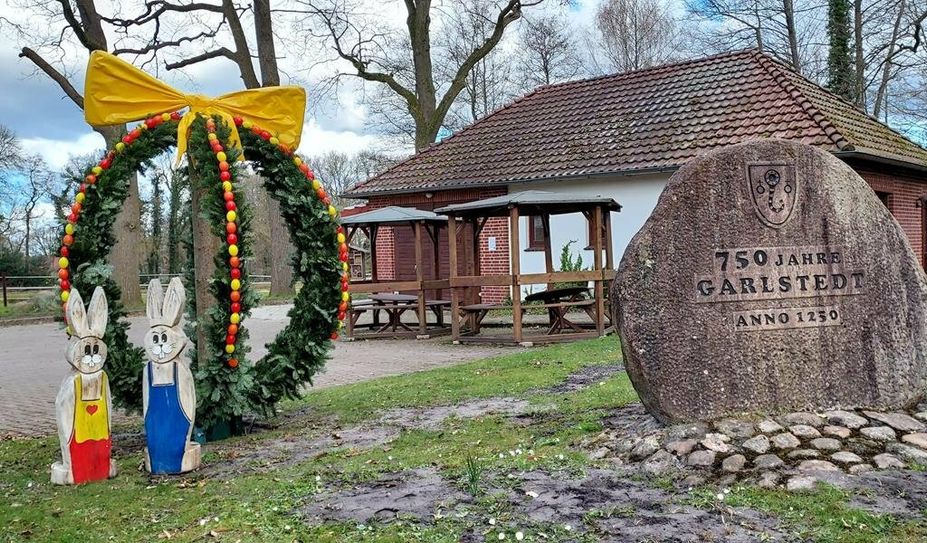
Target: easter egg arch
(228, 385)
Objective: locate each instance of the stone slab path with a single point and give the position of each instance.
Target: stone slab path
(32, 363)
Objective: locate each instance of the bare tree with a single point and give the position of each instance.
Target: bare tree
(340, 171)
(401, 60)
(634, 34)
(491, 82)
(37, 185)
(790, 30)
(53, 30)
(547, 51)
(10, 150)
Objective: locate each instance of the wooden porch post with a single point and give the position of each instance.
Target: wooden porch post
(548, 252)
(515, 257)
(436, 239)
(373, 253)
(422, 327)
(452, 274)
(609, 249)
(597, 266)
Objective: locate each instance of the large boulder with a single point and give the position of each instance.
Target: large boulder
(770, 278)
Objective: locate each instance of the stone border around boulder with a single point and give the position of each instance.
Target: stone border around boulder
(787, 450)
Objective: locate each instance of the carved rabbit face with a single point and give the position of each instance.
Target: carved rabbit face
(87, 352)
(165, 339)
(164, 343)
(88, 355)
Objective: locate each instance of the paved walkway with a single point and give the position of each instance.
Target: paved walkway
(32, 363)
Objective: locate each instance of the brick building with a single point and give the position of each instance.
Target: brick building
(622, 136)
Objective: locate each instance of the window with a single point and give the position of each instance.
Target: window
(885, 198)
(535, 233)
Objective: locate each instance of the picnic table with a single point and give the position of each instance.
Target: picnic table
(558, 302)
(395, 305)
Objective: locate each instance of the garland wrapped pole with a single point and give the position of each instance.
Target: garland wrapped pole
(216, 136)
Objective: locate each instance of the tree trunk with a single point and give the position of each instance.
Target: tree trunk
(425, 133)
(419, 24)
(125, 254)
(205, 247)
(28, 247)
(789, 8)
(858, 46)
(264, 32)
(281, 250)
(882, 94)
(173, 233)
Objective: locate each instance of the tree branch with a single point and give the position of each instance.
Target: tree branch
(152, 14)
(221, 52)
(57, 76)
(507, 15)
(158, 45)
(75, 25)
(357, 62)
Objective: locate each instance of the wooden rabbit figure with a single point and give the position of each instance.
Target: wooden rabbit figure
(83, 406)
(168, 390)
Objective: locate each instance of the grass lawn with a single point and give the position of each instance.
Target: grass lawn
(263, 505)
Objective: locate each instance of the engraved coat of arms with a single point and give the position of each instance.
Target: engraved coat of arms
(773, 190)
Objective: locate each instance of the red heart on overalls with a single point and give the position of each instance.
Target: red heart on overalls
(92, 409)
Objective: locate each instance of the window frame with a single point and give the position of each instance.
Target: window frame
(535, 244)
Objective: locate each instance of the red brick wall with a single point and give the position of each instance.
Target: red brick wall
(386, 249)
(392, 262)
(905, 191)
(496, 262)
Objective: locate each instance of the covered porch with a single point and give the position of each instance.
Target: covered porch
(564, 292)
(387, 302)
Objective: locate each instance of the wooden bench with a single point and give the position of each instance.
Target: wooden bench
(556, 311)
(478, 312)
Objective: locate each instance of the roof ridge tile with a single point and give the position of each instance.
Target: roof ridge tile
(804, 102)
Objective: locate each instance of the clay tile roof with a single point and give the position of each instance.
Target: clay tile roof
(648, 120)
(542, 201)
(392, 214)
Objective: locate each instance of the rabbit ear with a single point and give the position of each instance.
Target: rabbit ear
(155, 301)
(98, 313)
(173, 302)
(77, 314)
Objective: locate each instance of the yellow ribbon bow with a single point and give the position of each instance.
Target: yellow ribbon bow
(117, 92)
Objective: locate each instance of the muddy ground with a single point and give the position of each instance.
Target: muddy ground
(615, 503)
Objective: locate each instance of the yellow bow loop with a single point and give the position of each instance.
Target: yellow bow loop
(117, 92)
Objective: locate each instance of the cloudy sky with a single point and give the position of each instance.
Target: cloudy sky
(49, 124)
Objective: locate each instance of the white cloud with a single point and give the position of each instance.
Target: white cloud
(57, 152)
(317, 140)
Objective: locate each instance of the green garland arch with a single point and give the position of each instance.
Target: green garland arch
(228, 384)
